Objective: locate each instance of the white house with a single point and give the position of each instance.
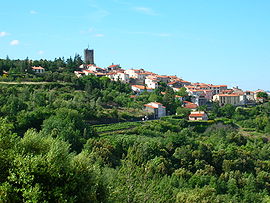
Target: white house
(155, 108)
(140, 88)
(88, 72)
(218, 88)
(123, 77)
(133, 72)
(151, 83)
(95, 68)
(198, 115)
(114, 67)
(38, 69)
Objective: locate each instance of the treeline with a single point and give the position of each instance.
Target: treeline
(22, 66)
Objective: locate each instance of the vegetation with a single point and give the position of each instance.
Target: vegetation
(53, 150)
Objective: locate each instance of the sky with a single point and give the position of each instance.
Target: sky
(210, 41)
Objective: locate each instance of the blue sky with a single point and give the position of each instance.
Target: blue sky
(211, 41)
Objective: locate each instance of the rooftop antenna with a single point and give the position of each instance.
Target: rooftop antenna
(88, 46)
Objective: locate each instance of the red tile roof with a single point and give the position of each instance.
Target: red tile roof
(191, 106)
(196, 115)
(142, 87)
(88, 71)
(112, 66)
(37, 68)
(229, 95)
(150, 106)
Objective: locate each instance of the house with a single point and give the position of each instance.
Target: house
(224, 99)
(96, 68)
(184, 82)
(250, 97)
(38, 69)
(217, 89)
(88, 72)
(114, 67)
(151, 82)
(118, 76)
(175, 84)
(198, 115)
(134, 73)
(98, 74)
(163, 78)
(190, 105)
(156, 109)
(140, 88)
(79, 73)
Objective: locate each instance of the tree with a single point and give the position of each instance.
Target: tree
(262, 95)
(183, 112)
(228, 110)
(182, 92)
(68, 125)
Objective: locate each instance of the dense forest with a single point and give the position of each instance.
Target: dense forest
(56, 147)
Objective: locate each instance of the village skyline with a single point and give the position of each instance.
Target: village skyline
(217, 42)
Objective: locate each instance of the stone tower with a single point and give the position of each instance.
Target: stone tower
(89, 56)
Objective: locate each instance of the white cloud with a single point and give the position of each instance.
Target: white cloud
(14, 42)
(33, 12)
(99, 35)
(145, 10)
(40, 52)
(3, 34)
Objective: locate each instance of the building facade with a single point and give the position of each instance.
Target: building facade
(156, 109)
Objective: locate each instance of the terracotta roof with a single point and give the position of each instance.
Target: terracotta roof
(187, 102)
(171, 83)
(112, 66)
(142, 87)
(228, 95)
(163, 76)
(191, 106)
(91, 65)
(37, 68)
(196, 115)
(150, 106)
(219, 85)
(143, 73)
(88, 71)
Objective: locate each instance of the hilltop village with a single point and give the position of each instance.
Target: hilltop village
(197, 97)
(145, 81)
